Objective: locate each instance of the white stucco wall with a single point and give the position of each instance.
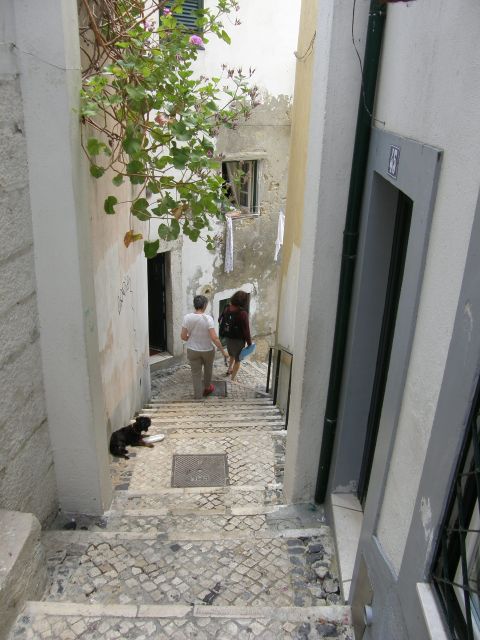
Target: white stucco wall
(121, 294)
(48, 57)
(27, 476)
(331, 129)
(265, 41)
(429, 90)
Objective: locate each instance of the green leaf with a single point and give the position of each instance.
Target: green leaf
(140, 210)
(180, 131)
(109, 204)
(180, 157)
(151, 248)
(94, 146)
(132, 142)
(117, 180)
(136, 172)
(224, 36)
(193, 234)
(96, 171)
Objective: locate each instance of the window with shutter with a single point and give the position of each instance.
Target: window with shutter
(189, 17)
(241, 185)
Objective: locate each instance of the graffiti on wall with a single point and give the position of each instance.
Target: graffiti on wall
(126, 287)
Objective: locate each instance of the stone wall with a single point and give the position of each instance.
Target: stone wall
(27, 481)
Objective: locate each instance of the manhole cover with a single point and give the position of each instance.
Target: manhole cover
(220, 389)
(199, 470)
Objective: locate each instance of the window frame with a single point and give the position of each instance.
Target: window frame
(253, 206)
(459, 536)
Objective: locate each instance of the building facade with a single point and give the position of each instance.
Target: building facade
(386, 352)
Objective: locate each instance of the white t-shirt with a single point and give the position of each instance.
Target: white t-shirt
(198, 325)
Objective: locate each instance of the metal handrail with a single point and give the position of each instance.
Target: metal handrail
(280, 350)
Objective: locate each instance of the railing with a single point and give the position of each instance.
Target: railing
(276, 379)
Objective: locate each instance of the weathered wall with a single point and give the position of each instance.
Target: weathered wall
(265, 41)
(265, 137)
(27, 478)
(296, 176)
(122, 305)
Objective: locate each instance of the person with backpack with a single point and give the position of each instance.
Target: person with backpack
(235, 328)
(199, 333)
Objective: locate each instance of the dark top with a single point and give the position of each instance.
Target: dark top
(242, 319)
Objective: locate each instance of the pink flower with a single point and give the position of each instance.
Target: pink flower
(162, 119)
(167, 11)
(196, 40)
(149, 25)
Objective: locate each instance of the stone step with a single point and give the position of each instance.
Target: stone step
(227, 418)
(209, 404)
(122, 568)
(222, 500)
(225, 415)
(207, 411)
(185, 428)
(182, 524)
(69, 621)
(214, 402)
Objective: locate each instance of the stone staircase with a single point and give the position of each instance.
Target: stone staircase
(195, 562)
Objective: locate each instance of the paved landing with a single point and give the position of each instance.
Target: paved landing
(225, 562)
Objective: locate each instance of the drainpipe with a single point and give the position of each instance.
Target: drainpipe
(373, 45)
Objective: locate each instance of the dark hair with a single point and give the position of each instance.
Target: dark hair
(200, 302)
(240, 299)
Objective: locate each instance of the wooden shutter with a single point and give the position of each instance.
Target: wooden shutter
(189, 17)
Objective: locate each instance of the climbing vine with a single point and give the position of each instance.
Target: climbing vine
(155, 120)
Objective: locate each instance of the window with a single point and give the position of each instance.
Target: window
(456, 573)
(189, 17)
(241, 180)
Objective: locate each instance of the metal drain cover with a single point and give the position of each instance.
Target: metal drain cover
(199, 470)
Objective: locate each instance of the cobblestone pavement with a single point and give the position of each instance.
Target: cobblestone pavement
(220, 562)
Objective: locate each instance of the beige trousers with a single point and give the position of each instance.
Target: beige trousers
(199, 359)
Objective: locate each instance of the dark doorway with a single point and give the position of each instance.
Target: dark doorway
(401, 232)
(157, 311)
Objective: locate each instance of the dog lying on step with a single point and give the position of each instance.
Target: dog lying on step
(129, 436)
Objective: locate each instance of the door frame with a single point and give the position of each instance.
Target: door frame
(417, 177)
(416, 174)
(396, 268)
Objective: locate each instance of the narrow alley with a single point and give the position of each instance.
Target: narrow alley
(222, 559)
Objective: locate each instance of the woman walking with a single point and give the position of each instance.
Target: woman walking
(237, 329)
(199, 333)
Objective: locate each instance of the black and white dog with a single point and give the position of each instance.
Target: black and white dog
(129, 436)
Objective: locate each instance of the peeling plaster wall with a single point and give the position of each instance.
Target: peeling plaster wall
(265, 137)
(27, 478)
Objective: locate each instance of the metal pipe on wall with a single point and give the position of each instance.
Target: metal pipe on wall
(373, 46)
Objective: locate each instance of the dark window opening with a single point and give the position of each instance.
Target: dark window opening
(456, 569)
(241, 185)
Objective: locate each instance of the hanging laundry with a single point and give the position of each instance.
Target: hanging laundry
(280, 231)
(229, 246)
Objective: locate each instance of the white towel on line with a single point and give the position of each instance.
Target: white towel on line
(229, 246)
(280, 231)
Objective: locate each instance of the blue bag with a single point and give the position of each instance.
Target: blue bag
(247, 351)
